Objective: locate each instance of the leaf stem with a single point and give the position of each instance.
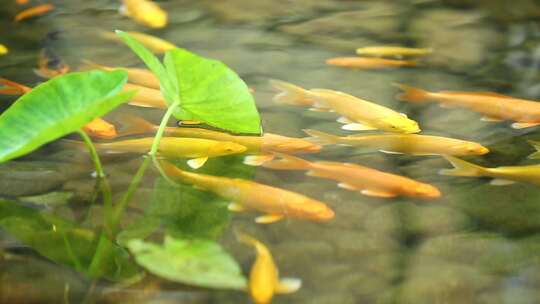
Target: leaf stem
(93, 153)
(162, 125)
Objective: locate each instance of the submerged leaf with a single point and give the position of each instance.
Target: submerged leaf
(195, 262)
(58, 107)
(212, 92)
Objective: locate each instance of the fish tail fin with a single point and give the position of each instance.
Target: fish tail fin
(13, 88)
(536, 145)
(134, 125)
(461, 168)
(411, 94)
(320, 137)
(290, 94)
(287, 162)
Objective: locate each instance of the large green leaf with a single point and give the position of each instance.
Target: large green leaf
(212, 92)
(57, 107)
(63, 242)
(194, 262)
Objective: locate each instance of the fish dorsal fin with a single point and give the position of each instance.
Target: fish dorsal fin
(257, 160)
(357, 127)
(288, 285)
(490, 119)
(236, 207)
(344, 120)
(378, 193)
(501, 182)
(196, 163)
(268, 218)
(348, 187)
(391, 152)
(523, 125)
(325, 110)
(404, 115)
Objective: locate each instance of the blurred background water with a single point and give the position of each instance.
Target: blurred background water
(478, 243)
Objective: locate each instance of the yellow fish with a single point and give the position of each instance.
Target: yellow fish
(145, 97)
(3, 49)
(502, 175)
(199, 150)
(392, 51)
(264, 279)
(247, 195)
(353, 177)
(368, 63)
(262, 146)
(403, 143)
(358, 114)
(141, 77)
(145, 12)
(494, 107)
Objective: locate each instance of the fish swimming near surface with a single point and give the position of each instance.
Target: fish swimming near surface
(247, 195)
(357, 114)
(264, 280)
(494, 107)
(141, 77)
(3, 50)
(155, 44)
(196, 149)
(369, 63)
(262, 147)
(403, 143)
(34, 12)
(502, 175)
(392, 51)
(145, 12)
(353, 177)
(145, 97)
(22, 2)
(97, 128)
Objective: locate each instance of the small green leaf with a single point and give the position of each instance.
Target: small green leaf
(58, 107)
(194, 262)
(169, 89)
(213, 93)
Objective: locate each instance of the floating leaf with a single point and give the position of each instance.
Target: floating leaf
(58, 107)
(194, 262)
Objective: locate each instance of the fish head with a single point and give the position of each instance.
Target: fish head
(226, 148)
(106, 131)
(472, 149)
(312, 210)
(399, 124)
(423, 190)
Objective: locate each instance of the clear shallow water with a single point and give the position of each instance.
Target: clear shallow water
(477, 244)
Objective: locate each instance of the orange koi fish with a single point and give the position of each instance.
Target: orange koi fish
(50, 65)
(145, 97)
(22, 2)
(403, 143)
(392, 51)
(13, 88)
(358, 114)
(494, 107)
(353, 177)
(141, 77)
(145, 12)
(369, 63)
(34, 11)
(247, 195)
(262, 146)
(264, 279)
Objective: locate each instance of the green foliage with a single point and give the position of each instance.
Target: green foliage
(58, 107)
(63, 242)
(195, 262)
(207, 89)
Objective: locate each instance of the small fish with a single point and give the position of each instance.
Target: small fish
(99, 128)
(494, 107)
(264, 279)
(404, 143)
(13, 88)
(246, 195)
(3, 50)
(197, 149)
(145, 12)
(50, 65)
(155, 44)
(141, 77)
(369, 63)
(392, 51)
(358, 114)
(502, 175)
(353, 177)
(262, 146)
(34, 11)
(22, 2)
(145, 97)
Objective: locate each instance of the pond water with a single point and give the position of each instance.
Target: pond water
(477, 243)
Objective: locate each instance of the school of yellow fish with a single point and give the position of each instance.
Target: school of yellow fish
(395, 133)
